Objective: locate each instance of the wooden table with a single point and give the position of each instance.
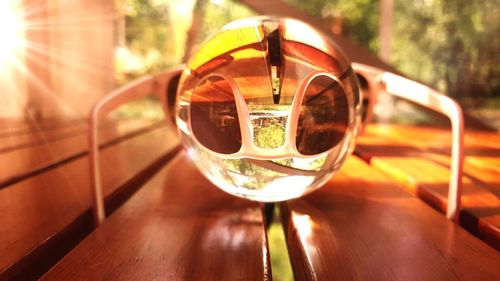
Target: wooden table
(360, 226)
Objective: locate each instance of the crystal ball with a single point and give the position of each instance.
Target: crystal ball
(268, 108)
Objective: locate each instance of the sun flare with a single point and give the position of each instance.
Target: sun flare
(11, 31)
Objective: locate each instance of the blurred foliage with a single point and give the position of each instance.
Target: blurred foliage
(155, 32)
(453, 45)
(450, 44)
(361, 17)
(153, 37)
(218, 13)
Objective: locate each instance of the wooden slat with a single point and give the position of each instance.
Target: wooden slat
(41, 136)
(10, 127)
(177, 227)
(380, 139)
(429, 181)
(360, 226)
(37, 209)
(418, 157)
(30, 159)
(15, 141)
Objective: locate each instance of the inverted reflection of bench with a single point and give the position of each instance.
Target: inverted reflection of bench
(418, 158)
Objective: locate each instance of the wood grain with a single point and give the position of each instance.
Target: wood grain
(177, 227)
(360, 226)
(36, 209)
(21, 126)
(25, 160)
(418, 158)
(40, 135)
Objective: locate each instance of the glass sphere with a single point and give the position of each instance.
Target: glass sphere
(268, 108)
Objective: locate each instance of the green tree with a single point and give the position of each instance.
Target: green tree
(361, 17)
(450, 44)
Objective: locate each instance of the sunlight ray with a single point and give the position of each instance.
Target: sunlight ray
(40, 85)
(63, 23)
(67, 57)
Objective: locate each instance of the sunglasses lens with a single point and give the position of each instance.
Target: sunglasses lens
(214, 118)
(323, 116)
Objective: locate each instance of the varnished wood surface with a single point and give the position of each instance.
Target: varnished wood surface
(26, 160)
(17, 126)
(177, 227)
(41, 135)
(382, 140)
(429, 181)
(38, 135)
(418, 158)
(360, 226)
(34, 210)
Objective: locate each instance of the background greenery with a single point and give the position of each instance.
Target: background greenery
(450, 44)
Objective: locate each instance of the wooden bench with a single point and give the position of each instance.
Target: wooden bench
(360, 226)
(46, 215)
(417, 158)
(45, 181)
(14, 126)
(33, 153)
(177, 227)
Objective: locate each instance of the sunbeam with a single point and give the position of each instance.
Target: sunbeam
(11, 31)
(56, 60)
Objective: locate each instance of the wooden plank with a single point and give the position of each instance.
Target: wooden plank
(418, 158)
(28, 161)
(382, 139)
(429, 181)
(16, 126)
(482, 149)
(40, 136)
(37, 209)
(37, 136)
(360, 226)
(177, 227)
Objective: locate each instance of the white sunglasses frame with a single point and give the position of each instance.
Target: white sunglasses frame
(248, 149)
(382, 81)
(378, 80)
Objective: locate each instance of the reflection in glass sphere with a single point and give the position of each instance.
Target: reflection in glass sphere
(268, 108)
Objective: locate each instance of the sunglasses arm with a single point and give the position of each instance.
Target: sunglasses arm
(401, 87)
(139, 88)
